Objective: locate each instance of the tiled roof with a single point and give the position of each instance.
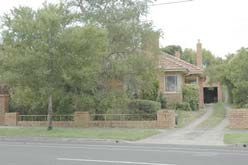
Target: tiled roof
(171, 63)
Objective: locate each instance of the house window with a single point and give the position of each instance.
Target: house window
(171, 84)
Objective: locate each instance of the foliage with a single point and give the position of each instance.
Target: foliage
(171, 49)
(185, 106)
(209, 59)
(191, 96)
(189, 55)
(131, 57)
(162, 100)
(71, 51)
(144, 106)
(233, 73)
(237, 76)
(45, 56)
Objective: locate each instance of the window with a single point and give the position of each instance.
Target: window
(171, 84)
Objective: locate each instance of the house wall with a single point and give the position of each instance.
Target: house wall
(171, 97)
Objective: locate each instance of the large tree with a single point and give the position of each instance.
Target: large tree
(46, 55)
(128, 61)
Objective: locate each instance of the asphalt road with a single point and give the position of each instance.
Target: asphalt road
(96, 153)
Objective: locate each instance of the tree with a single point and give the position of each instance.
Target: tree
(171, 49)
(237, 76)
(128, 59)
(45, 55)
(189, 55)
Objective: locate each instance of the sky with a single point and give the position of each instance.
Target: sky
(221, 25)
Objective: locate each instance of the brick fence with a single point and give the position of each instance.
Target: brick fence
(165, 119)
(238, 119)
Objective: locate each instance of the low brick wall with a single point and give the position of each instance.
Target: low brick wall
(124, 124)
(45, 123)
(1, 119)
(165, 119)
(238, 119)
(11, 119)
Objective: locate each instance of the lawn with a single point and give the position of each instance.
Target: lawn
(186, 117)
(219, 112)
(91, 133)
(239, 138)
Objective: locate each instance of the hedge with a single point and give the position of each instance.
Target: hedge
(191, 96)
(144, 106)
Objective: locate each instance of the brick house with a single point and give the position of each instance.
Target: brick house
(175, 73)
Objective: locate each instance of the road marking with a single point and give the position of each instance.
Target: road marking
(109, 161)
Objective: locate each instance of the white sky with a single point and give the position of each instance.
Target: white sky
(221, 25)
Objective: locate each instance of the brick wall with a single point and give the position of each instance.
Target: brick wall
(124, 124)
(238, 119)
(81, 119)
(1, 119)
(4, 103)
(11, 119)
(165, 119)
(45, 123)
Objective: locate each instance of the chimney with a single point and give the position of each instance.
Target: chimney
(199, 54)
(178, 54)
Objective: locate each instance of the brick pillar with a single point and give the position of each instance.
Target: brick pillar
(4, 103)
(81, 119)
(220, 94)
(166, 119)
(4, 106)
(11, 119)
(201, 93)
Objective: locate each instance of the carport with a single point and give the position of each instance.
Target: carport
(210, 95)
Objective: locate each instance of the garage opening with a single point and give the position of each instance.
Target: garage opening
(210, 95)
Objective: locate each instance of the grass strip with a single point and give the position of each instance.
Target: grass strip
(92, 133)
(237, 138)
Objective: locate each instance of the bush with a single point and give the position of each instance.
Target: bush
(163, 101)
(182, 106)
(191, 96)
(144, 106)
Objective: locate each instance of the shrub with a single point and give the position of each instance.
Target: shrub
(144, 106)
(182, 106)
(191, 96)
(163, 101)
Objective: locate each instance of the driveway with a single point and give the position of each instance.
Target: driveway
(191, 135)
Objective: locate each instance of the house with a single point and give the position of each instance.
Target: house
(175, 73)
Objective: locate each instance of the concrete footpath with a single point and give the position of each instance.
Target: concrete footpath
(191, 135)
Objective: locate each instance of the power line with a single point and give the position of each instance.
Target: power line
(168, 3)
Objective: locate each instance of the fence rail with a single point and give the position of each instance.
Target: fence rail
(123, 117)
(44, 117)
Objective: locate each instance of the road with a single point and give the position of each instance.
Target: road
(96, 153)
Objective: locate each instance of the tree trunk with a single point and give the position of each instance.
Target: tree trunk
(50, 113)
